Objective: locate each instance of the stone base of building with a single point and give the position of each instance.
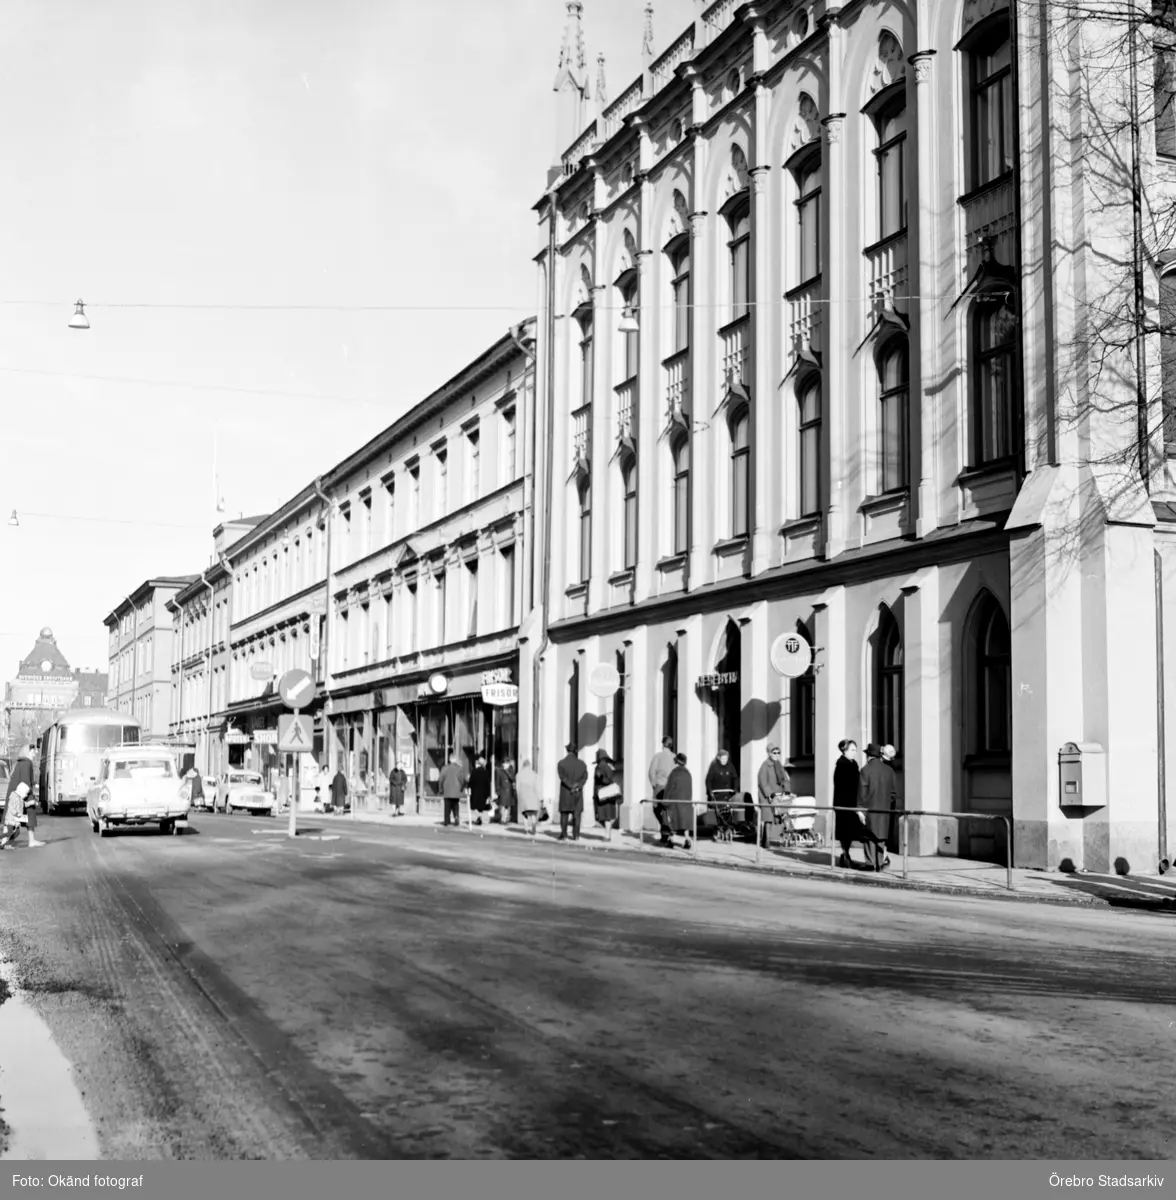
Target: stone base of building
(1092, 844)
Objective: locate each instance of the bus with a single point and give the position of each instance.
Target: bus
(70, 752)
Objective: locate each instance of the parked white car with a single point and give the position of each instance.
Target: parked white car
(137, 785)
(244, 791)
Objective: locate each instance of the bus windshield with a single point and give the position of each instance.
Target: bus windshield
(75, 738)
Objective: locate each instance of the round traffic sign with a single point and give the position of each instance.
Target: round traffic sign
(296, 689)
(791, 655)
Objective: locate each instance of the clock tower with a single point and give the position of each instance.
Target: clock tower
(45, 687)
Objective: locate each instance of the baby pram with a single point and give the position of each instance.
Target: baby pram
(730, 819)
(790, 825)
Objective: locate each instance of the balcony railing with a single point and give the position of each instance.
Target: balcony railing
(663, 68)
(677, 379)
(620, 108)
(991, 213)
(736, 360)
(888, 287)
(718, 17)
(804, 320)
(626, 394)
(579, 149)
(582, 436)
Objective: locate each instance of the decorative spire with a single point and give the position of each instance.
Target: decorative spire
(647, 39)
(601, 91)
(572, 56)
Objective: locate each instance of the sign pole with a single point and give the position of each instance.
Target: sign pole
(293, 829)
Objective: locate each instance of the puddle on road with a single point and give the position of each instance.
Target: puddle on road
(42, 1107)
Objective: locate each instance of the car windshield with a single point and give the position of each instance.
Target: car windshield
(97, 737)
(142, 768)
(245, 778)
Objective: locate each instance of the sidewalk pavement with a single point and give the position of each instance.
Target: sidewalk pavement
(933, 873)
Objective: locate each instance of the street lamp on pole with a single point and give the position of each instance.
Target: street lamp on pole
(79, 320)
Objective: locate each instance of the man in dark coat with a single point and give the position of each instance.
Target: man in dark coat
(878, 789)
(480, 788)
(678, 803)
(339, 791)
(848, 827)
(19, 802)
(397, 782)
(573, 775)
(504, 789)
(452, 783)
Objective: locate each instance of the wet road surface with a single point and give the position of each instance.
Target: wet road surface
(409, 992)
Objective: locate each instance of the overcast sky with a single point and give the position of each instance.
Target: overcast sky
(341, 153)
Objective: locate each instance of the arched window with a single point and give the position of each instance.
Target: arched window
(740, 473)
(680, 292)
(630, 339)
(574, 704)
(808, 216)
(992, 110)
(629, 496)
(584, 319)
(891, 126)
(680, 457)
(804, 706)
(739, 257)
(809, 402)
(888, 682)
(584, 493)
(995, 388)
(618, 740)
(893, 406)
(994, 660)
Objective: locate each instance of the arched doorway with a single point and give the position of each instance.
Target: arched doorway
(724, 694)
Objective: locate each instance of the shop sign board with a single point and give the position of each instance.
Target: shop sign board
(501, 675)
(791, 655)
(265, 737)
(261, 671)
(718, 679)
(500, 693)
(236, 737)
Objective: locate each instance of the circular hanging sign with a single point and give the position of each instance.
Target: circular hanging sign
(603, 680)
(438, 684)
(791, 655)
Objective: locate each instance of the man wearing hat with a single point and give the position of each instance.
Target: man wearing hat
(878, 789)
(573, 775)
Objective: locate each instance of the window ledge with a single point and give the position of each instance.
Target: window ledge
(996, 759)
(672, 562)
(795, 293)
(729, 547)
(622, 577)
(991, 186)
(801, 525)
(971, 475)
(889, 239)
(884, 502)
(576, 590)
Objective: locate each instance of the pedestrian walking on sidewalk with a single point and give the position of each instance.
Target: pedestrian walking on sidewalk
(19, 802)
(848, 827)
(878, 789)
(397, 782)
(453, 783)
(480, 788)
(527, 788)
(660, 767)
(679, 804)
(606, 793)
(889, 754)
(573, 775)
(339, 792)
(504, 790)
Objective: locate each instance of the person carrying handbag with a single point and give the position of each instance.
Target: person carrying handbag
(19, 807)
(606, 793)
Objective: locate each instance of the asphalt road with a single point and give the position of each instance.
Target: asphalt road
(409, 992)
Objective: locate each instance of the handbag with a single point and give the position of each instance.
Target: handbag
(610, 791)
(544, 815)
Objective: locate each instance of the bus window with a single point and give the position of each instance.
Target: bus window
(78, 738)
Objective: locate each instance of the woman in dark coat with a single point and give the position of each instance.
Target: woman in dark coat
(397, 782)
(847, 826)
(339, 792)
(480, 787)
(504, 789)
(603, 777)
(678, 800)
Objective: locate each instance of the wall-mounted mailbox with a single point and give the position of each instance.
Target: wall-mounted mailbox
(1082, 775)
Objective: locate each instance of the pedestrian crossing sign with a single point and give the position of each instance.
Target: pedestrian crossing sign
(295, 733)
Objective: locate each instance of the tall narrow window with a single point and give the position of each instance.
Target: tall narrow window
(995, 388)
(804, 707)
(574, 705)
(618, 730)
(680, 290)
(808, 217)
(631, 340)
(414, 496)
(740, 473)
(410, 624)
(1168, 359)
(344, 535)
(585, 321)
(894, 380)
(507, 592)
(810, 447)
(629, 490)
(891, 124)
(585, 547)
(995, 680)
(442, 596)
(442, 482)
(739, 258)
(366, 514)
(888, 682)
(390, 508)
(993, 145)
(472, 598)
(508, 441)
(680, 455)
(475, 479)
(1164, 95)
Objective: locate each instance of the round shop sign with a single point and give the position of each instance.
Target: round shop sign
(603, 680)
(438, 684)
(791, 655)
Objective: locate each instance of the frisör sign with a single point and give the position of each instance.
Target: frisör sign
(500, 693)
(718, 679)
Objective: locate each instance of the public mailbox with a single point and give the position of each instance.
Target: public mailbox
(1082, 775)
